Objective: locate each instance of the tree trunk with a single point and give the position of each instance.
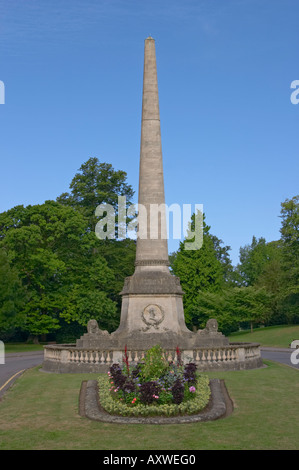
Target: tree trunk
(33, 339)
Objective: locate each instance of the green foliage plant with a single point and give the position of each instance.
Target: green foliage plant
(154, 364)
(154, 388)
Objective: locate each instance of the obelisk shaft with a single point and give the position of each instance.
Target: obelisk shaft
(152, 248)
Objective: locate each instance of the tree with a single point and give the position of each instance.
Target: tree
(232, 307)
(290, 258)
(12, 294)
(254, 258)
(55, 255)
(96, 183)
(120, 258)
(216, 305)
(199, 270)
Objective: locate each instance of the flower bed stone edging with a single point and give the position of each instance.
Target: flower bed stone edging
(220, 406)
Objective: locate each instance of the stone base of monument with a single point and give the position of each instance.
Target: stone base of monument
(97, 350)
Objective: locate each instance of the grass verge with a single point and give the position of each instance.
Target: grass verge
(40, 412)
(271, 336)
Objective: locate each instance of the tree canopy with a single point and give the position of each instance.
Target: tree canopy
(55, 274)
(55, 270)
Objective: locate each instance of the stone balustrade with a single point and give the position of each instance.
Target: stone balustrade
(68, 358)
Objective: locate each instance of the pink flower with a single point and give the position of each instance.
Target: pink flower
(192, 389)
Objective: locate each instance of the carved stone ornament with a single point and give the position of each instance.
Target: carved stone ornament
(152, 316)
(92, 327)
(211, 328)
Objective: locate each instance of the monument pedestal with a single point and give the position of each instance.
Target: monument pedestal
(152, 313)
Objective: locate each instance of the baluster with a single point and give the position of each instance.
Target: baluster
(209, 355)
(88, 357)
(93, 356)
(110, 357)
(102, 357)
(75, 356)
(221, 355)
(96, 357)
(130, 356)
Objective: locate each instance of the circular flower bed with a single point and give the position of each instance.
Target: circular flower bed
(154, 387)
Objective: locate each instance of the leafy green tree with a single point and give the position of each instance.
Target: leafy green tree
(290, 258)
(199, 270)
(55, 256)
(233, 306)
(222, 254)
(12, 294)
(120, 258)
(254, 258)
(216, 305)
(96, 183)
(250, 304)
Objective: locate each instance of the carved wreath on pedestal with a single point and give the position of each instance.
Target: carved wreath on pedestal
(152, 316)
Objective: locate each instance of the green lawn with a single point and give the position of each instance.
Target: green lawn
(40, 411)
(272, 336)
(22, 347)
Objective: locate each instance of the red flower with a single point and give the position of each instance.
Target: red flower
(126, 360)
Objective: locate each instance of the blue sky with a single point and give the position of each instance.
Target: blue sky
(73, 88)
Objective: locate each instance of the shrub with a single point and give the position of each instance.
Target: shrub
(190, 373)
(154, 387)
(122, 408)
(178, 392)
(154, 364)
(118, 377)
(149, 392)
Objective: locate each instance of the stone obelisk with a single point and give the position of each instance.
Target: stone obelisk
(152, 249)
(152, 307)
(152, 298)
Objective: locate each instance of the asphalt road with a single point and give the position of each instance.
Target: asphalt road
(281, 355)
(16, 364)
